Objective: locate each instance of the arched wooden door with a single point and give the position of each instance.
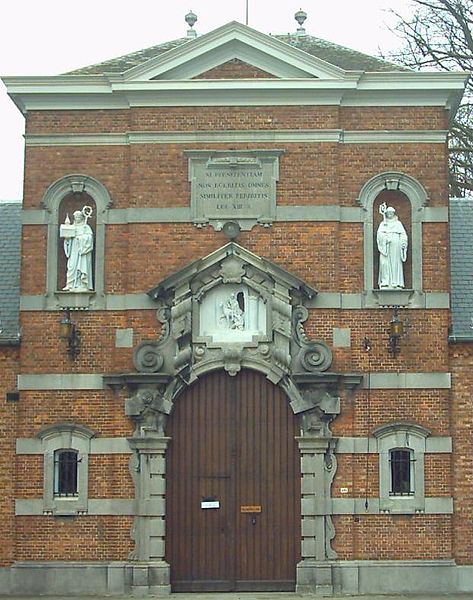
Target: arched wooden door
(233, 487)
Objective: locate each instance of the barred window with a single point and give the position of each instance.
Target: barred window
(65, 473)
(401, 461)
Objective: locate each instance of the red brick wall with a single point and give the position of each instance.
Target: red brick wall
(8, 420)
(83, 539)
(462, 457)
(235, 69)
(394, 537)
(394, 118)
(327, 255)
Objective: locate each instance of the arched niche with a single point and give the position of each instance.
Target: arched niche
(409, 197)
(69, 204)
(67, 194)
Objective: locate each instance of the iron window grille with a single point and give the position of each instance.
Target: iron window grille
(65, 473)
(401, 463)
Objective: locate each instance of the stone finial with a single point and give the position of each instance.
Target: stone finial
(191, 19)
(300, 17)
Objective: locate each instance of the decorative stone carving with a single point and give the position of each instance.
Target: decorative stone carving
(148, 409)
(226, 310)
(78, 245)
(232, 315)
(308, 355)
(134, 468)
(392, 241)
(324, 407)
(232, 357)
(233, 186)
(149, 355)
(330, 467)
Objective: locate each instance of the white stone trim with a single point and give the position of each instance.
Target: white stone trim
(100, 445)
(119, 302)
(395, 137)
(54, 381)
(67, 92)
(102, 506)
(284, 213)
(442, 505)
(243, 136)
(345, 445)
(427, 381)
(363, 445)
(88, 381)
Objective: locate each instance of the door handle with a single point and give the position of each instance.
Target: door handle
(253, 520)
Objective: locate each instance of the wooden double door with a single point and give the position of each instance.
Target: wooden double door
(233, 487)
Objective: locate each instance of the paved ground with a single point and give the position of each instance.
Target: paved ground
(257, 596)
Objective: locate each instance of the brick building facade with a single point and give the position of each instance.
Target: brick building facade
(234, 331)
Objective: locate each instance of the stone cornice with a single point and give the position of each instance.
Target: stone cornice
(99, 92)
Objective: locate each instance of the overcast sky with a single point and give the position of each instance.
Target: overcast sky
(48, 37)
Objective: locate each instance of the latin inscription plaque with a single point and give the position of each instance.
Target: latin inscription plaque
(233, 186)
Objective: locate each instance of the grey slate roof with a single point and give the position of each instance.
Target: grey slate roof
(461, 249)
(345, 58)
(10, 256)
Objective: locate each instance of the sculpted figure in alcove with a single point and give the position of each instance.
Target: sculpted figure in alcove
(392, 244)
(78, 246)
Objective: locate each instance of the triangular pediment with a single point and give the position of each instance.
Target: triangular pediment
(235, 69)
(234, 41)
(237, 259)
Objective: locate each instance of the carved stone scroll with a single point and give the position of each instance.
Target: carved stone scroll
(312, 356)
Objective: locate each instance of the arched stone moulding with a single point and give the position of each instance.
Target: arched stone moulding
(56, 192)
(417, 196)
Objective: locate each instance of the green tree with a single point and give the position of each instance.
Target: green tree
(439, 36)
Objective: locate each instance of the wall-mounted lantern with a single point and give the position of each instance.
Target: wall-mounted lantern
(68, 331)
(396, 330)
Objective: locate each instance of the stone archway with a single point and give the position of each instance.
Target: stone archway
(270, 340)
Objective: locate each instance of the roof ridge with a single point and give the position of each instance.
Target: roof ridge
(330, 44)
(130, 55)
(340, 56)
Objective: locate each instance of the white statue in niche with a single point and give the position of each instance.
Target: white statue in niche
(78, 246)
(392, 245)
(232, 315)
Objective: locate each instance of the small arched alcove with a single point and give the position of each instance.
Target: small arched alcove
(400, 202)
(408, 197)
(65, 196)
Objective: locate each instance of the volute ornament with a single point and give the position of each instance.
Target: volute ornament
(148, 356)
(310, 355)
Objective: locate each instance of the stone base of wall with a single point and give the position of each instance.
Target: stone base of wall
(319, 578)
(383, 577)
(87, 579)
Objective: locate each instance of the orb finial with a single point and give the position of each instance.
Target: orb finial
(300, 17)
(191, 19)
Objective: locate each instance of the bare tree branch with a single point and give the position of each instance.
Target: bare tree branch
(439, 36)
